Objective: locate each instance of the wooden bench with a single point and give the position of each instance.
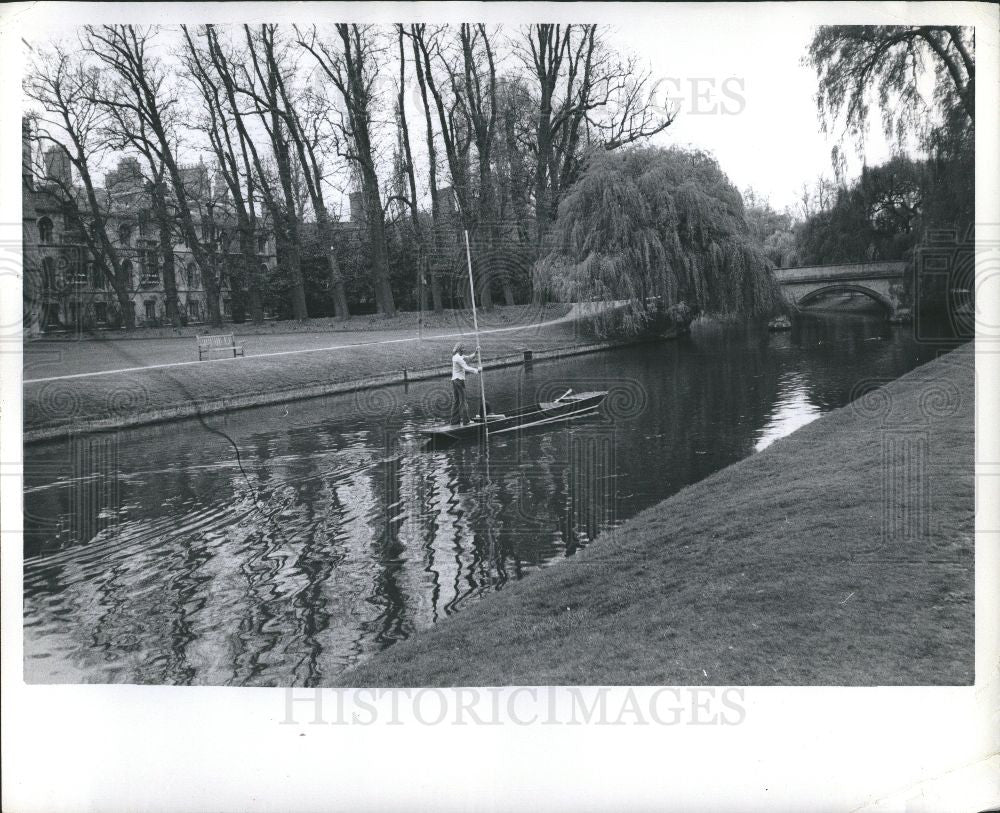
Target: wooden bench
(225, 343)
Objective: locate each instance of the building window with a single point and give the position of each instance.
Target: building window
(77, 268)
(48, 274)
(192, 275)
(101, 313)
(194, 310)
(127, 273)
(150, 309)
(150, 262)
(125, 234)
(261, 242)
(227, 308)
(96, 275)
(45, 230)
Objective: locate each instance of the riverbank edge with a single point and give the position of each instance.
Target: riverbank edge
(844, 618)
(236, 402)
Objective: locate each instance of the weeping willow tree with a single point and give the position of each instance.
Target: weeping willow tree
(662, 230)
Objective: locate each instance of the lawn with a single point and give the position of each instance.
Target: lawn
(181, 391)
(68, 354)
(840, 555)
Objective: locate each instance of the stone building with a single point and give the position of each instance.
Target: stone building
(66, 288)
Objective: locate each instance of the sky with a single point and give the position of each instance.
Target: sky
(744, 94)
(737, 78)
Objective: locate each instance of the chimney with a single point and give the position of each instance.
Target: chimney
(446, 201)
(27, 173)
(357, 207)
(57, 166)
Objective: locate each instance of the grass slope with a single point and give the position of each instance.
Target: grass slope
(773, 571)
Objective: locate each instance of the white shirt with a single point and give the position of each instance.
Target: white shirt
(459, 367)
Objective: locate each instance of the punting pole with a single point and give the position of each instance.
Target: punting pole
(475, 324)
(482, 390)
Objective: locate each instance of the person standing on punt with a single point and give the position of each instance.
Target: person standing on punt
(459, 367)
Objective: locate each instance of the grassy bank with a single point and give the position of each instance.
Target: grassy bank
(840, 555)
(177, 391)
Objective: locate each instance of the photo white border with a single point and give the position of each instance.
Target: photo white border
(112, 748)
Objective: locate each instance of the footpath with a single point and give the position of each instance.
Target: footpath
(83, 386)
(840, 555)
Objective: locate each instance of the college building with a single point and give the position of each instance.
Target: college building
(67, 289)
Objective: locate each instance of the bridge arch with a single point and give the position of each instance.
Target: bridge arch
(843, 287)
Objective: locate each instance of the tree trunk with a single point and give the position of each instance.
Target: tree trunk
(485, 283)
(120, 286)
(256, 300)
(338, 291)
(208, 263)
(288, 256)
(213, 293)
(436, 299)
(126, 307)
(376, 239)
(294, 258)
(170, 283)
(167, 250)
(337, 288)
(422, 282)
(432, 258)
(286, 222)
(508, 289)
(410, 174)
(542, 162)
(251, 271)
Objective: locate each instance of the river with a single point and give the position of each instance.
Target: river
(279, 545)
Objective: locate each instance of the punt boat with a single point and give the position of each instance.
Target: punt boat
(567, 407)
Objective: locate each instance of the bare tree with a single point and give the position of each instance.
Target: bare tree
(455, 130)
(260, 85)
(229, 145)
(139, 89)
(586, 94)
(350, 62)
(305, 118)
(433, 249)
(513, 161)
(164, 218)
(478, 94)
(70, 118)
(408, 171)
(548, 45)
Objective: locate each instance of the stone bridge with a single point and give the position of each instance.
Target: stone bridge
(882, 281)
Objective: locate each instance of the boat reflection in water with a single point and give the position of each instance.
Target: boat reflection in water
(157, 556)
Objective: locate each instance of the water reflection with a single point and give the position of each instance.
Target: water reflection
(792, 410)
(157, 556)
